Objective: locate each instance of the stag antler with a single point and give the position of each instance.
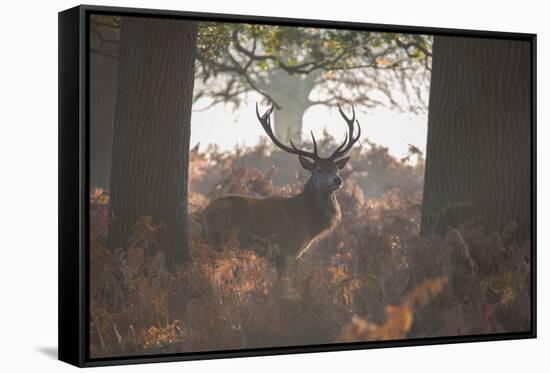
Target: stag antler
(346, 145)
(265, 121)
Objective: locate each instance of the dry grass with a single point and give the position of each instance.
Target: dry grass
(372, 278)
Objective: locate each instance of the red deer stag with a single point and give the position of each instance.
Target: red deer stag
(289, 224)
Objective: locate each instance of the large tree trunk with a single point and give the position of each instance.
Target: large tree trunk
(479, 136)
(151, 131)
(288, 120)
(291, 92)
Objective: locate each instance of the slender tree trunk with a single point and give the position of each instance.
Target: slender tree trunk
(151, 131)
(479, 136)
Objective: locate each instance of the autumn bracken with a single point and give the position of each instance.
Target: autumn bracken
(374, 277)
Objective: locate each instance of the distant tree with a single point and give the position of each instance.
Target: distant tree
(103, 65)
(295, 67)
(479, 136)
(151, 130)
(298, 67)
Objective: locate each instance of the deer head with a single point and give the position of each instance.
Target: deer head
(324, 171)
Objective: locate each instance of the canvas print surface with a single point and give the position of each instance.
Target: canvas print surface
(257, 186)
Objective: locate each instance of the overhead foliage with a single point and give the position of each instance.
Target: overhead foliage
(330, 65)
(104, 36)
(371, 68)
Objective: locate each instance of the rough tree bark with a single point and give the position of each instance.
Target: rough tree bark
(479, 136)
(151, 131)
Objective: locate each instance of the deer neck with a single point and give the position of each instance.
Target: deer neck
(323, 206)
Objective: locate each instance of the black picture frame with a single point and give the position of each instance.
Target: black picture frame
(74, 187)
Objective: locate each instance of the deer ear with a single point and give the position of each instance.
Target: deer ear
(341, 163)
(306, 163)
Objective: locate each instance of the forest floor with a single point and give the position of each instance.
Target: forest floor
(374, 277)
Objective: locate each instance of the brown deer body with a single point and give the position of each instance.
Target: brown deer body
(287, 225)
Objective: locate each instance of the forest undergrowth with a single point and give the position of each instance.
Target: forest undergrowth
(374, 277)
